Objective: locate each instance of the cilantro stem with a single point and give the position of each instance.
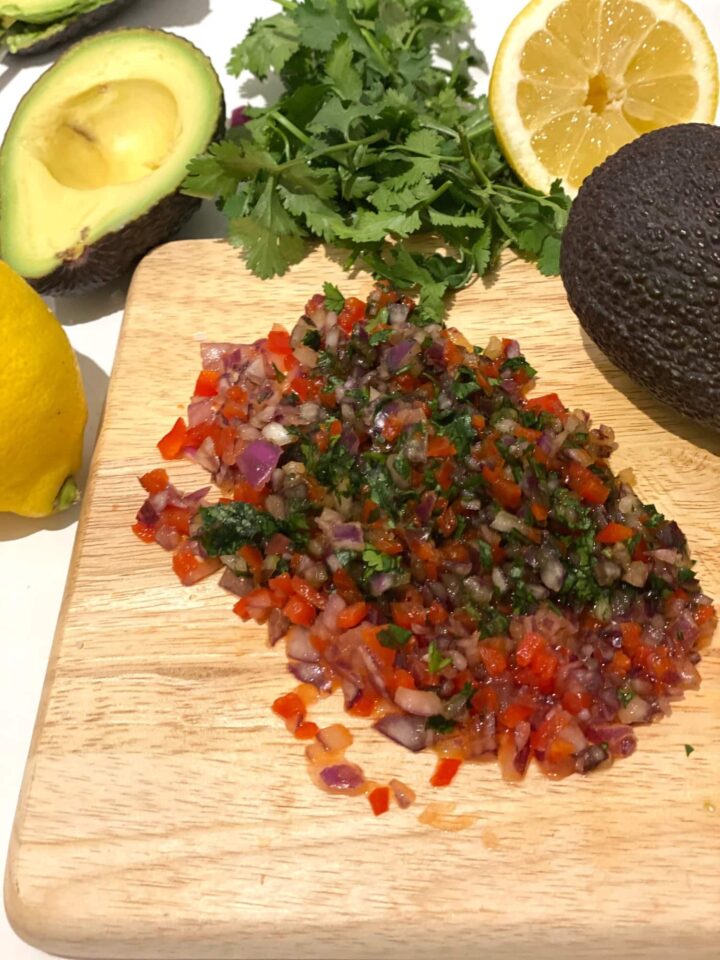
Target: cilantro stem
(482, 178)
(376, 50)
(289, 125)
(440, 128)
(330, 151)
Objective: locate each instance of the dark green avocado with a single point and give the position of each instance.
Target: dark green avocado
(640, 260)
(34, 27)
(93, 159)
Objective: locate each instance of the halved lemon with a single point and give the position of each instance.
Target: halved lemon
(574, 81)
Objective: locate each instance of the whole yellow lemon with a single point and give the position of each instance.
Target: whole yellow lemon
(42, 404)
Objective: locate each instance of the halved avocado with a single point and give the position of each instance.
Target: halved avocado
(96, 151)
(60, 22)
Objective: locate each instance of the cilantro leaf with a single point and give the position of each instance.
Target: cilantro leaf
(440, 724)
(334, 300)
(268, 46)
(394, 637)
(344, 77)
(226, 527)
(689, 749)
(435, 660)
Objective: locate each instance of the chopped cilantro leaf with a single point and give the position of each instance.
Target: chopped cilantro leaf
(625, 695)
(334, 300)
(689, 749)
(394, 637)
(440, 724)
(435, 659)
(312, 339)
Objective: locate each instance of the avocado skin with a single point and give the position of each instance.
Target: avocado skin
(640, 260)
(116, 252)
(79, 25)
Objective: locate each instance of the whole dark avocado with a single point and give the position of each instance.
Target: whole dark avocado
(640, 260)
(96, 152)
(60, 21)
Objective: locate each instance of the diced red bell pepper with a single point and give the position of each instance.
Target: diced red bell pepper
(445, 771)
(189, 567)
(352, 313)
(206, 384)
(351, 616)
(144, 531)
(176, 517)
(299, 611)
(379, 800)
(549, 403)
(278, 340)
(493, 660)
(172, 443)
(155, 481)
(588, 485)
(312, 596)
(439, 446)
(614, 533)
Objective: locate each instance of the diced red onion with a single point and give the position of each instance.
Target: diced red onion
(335, 738)
(347, 536)
(407, 730)
(204, 456)
(552, 573)
(257, 462)
(299, 647)
(200, 411)
(276, 433)
(499, 579)
(400, 354)
(619, 737)
(636, 573)
(380, 583)
(351, 693)
(213, 355)
(167, 537)
(636, 710)
(343, 778)
(239, 586)
(278, 625)
(305, 355)
(313, 673)
(404, 795)
(421, 703)
(309, 412)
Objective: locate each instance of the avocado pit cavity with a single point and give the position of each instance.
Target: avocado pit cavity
(114, 133)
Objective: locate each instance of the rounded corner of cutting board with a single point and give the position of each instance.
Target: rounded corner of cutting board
(27, 918)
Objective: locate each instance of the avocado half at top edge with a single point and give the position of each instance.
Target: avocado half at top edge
(95, 153)
(640, 260)
(36, 28)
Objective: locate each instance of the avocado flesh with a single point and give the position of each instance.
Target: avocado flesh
(41, 11)
(25, 38)
(95, 154)
(640, 260)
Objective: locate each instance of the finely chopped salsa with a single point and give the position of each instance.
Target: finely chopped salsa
(452, 553)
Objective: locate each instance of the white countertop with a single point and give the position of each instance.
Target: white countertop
(35, 555)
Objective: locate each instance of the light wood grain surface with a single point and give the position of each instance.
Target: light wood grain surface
(166, 812)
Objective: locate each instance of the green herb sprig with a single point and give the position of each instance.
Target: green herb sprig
(371, 143)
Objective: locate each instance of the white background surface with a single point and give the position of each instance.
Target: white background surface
(34, 555)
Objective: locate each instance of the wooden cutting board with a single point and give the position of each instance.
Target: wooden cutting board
(165, 810)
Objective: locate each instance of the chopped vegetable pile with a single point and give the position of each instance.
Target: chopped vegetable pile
(456, 556)
(377, 137)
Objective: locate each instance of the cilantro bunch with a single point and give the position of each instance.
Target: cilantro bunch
(377, 138)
